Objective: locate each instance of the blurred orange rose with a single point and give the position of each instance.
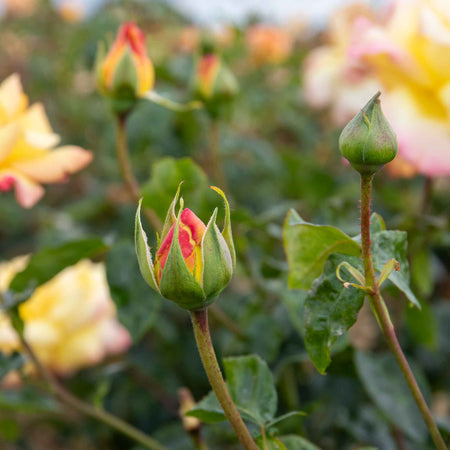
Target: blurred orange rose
(27, 154)
(268, 44)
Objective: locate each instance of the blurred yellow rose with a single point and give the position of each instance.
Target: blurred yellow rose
(70, 321)
(27, 154)
(406, 55)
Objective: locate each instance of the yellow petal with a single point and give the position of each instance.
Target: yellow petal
(54, 166)
(41, 140)
(9, 134)
(36, 120)
(12, 99)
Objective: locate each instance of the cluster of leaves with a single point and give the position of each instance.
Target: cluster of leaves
(277, 155)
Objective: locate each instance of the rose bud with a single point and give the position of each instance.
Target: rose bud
(194, 262)
(368, 142)
(126, 72)
(213, 83)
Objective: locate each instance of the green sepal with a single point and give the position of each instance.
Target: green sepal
(171, 105)
(125, 80)
(171, 217)
(388, 268)
(226, 232)
(217, 260)
(355, 273)
(177, 283)
(143, 253)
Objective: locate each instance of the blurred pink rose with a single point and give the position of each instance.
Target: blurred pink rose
(403, 55)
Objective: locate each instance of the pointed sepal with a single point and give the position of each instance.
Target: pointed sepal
(143, 253)
(226, 232)
(171, 216)
(217, 260)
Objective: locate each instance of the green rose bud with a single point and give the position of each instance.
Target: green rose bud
(368, 142)
(194, 262)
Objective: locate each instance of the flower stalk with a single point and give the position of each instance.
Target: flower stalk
(67, 398)
(382, 314)
(215, 157)
(123, 159)
(212, 369)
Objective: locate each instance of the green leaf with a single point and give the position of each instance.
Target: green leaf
(27, 400)
(393, 244)
(308, 246)
(208, 410)
(48, 262)
(9, 429)
(423, 326)
(10, 363)
(294, 300)
(166, 176)
(285, 417)
(137, 305)
(330, 310)
(269, 443)
(293, 442)
(384, 382)
(252, 387)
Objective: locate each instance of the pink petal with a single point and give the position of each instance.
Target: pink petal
(28, 193)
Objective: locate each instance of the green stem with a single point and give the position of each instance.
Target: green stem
(123, 158)
(383, 318)
(212, 369)
(74, 402)
(214, 156)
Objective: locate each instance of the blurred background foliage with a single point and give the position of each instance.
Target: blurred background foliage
(277, 154)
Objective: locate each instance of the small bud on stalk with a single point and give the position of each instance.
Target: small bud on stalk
(213, 82)
(368, 142)
(126, 72)
(194, 262)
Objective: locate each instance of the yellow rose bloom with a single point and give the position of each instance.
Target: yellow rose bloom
(70, 321)
(27, 154)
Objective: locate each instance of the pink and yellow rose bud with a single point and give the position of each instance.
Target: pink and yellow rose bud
(194, 261)
(126, 72)
(213, 82)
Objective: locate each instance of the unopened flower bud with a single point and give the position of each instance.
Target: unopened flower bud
(213, 82)
(126, 72)
(194, 262)
(368, 142)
